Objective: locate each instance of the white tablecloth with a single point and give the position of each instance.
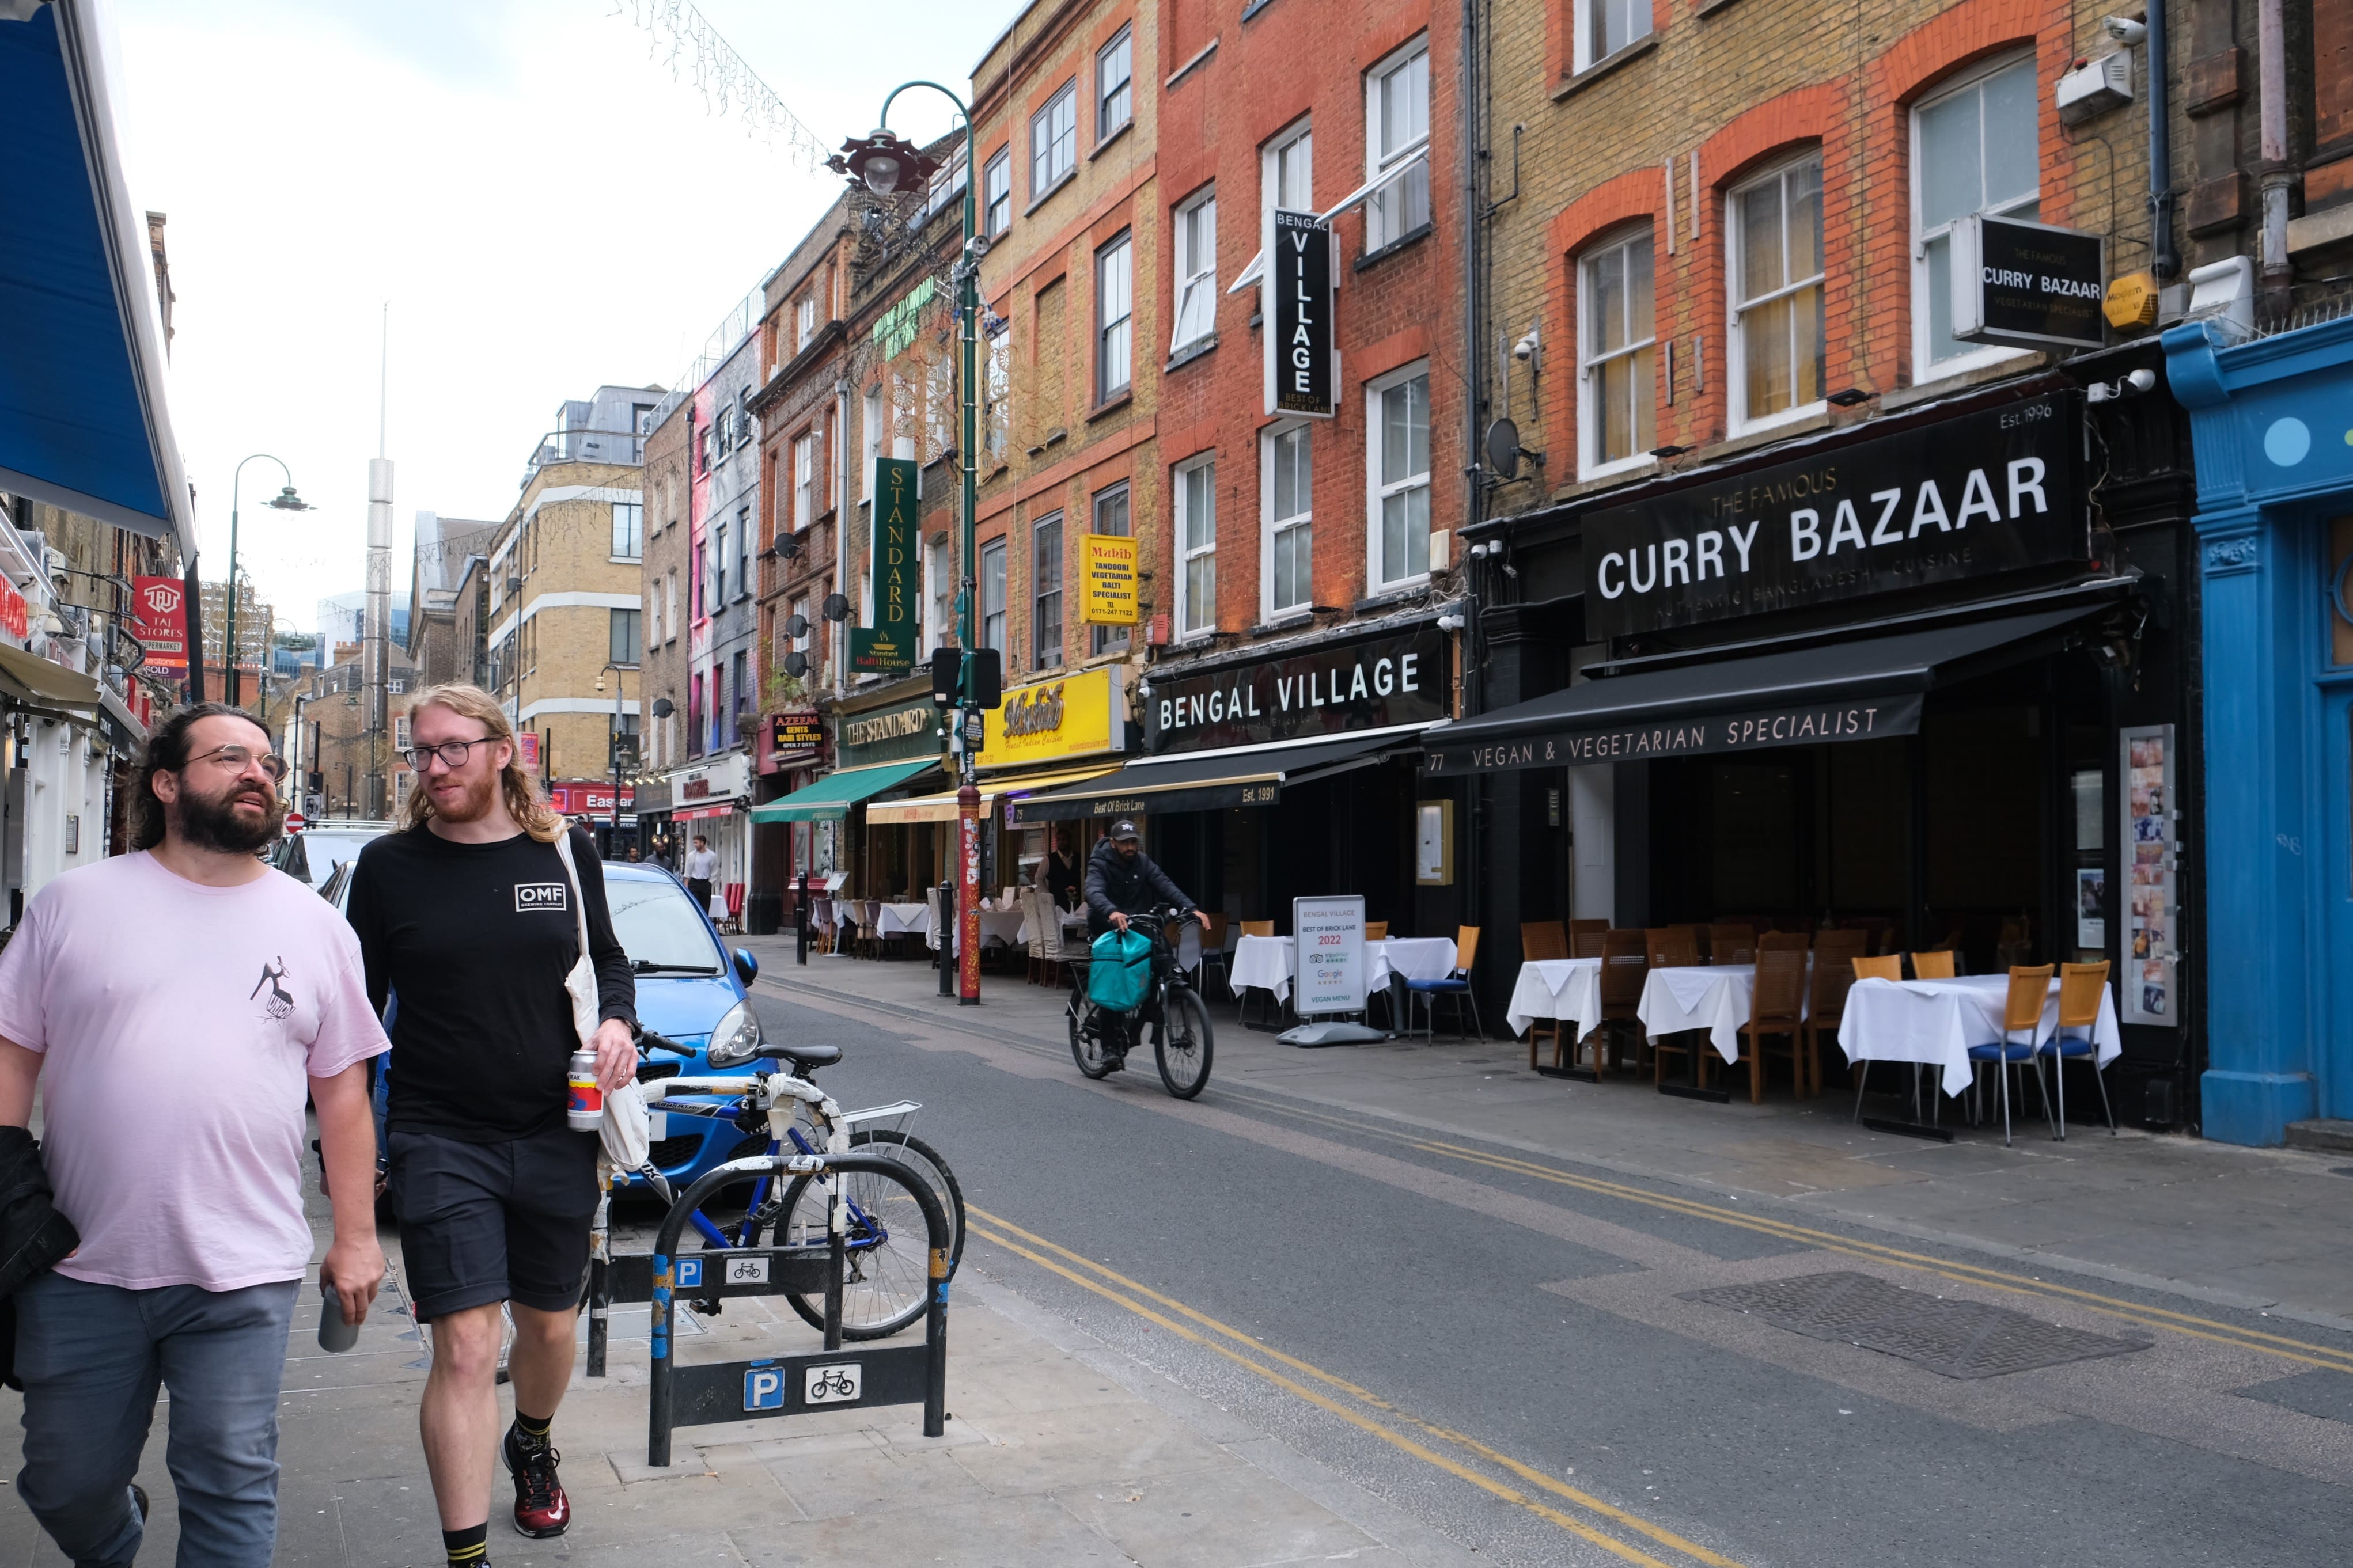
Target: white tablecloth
(893, 919)
(1074, 923)
(1565, 988)
(1267, 962)
(1936, 1022)
(997, 927)
(1717, 997)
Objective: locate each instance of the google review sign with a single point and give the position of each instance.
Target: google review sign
(1988, 492)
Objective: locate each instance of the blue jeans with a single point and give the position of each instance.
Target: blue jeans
(92, 1358)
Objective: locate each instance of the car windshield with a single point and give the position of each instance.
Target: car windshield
(659, 928)
(325, 849)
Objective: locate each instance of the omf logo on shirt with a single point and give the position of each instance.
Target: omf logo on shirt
(534, 896)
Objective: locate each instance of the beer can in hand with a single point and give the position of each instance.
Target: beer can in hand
(335, 1334)
(585, 1113)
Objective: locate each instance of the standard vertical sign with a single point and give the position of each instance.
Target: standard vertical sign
(1329, 936)
(1301, 377)
(889, 644)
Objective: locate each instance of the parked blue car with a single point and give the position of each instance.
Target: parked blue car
(690, 990)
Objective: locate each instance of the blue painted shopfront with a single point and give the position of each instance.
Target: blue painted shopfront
(2272, 421)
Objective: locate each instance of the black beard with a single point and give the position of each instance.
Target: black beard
(212, 823)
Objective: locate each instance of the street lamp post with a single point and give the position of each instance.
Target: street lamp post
(881, 160)
(617, 667)
(284, 501)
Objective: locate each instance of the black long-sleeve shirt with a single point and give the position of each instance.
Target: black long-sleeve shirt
(1130, 887)
(475, 940)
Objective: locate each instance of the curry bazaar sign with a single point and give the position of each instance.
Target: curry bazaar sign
(1988, 492)
(1372, 684)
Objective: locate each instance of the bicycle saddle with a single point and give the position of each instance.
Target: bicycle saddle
(809, 1058)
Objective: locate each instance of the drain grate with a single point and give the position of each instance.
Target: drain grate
(1955, 1339)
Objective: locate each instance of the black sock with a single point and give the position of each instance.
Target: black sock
(467, 1547)
(531, 1432)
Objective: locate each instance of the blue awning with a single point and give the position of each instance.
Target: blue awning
(82, 419)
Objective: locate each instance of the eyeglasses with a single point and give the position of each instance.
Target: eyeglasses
(453, 754)
(236, 759)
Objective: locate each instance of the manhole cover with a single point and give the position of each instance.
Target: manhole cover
(1955, 1339)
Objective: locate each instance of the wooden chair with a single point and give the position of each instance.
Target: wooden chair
(1625, 965)
(1885, 966)
(1376, 930)
(1258, 928)
(1697, 935)
(1728, 943)
(1541, 941)
(1937, 963)
(1774, 1008)
(1456, 985)
(1785, 941)
(1671, 947)
(2021, 1014)
(1835, 952)
(2081, 987)
(1585, 938)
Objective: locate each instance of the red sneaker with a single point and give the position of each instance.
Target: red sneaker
(540, 1507)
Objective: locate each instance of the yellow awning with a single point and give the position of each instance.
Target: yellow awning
(942, 807)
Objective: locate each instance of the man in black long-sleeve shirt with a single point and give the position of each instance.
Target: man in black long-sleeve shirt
(467, 920)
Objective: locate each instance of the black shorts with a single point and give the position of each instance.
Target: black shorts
(493, 1222)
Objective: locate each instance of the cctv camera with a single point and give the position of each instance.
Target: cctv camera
(2143, 380)
(2124, 30)
(1525, 348)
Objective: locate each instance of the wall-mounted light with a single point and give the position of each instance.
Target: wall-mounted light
(1848, 399)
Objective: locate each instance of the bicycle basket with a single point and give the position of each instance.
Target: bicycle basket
(1121, 972)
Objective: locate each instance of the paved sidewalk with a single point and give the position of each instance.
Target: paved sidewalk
(2266, 1229)
(1058, 1451)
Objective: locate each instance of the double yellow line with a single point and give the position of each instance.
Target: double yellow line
(1539, 1494)
(2304, 1351)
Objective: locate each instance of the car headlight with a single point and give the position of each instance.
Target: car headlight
(737, 1040)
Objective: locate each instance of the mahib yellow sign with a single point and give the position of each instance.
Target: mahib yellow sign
(1070, 716)
(1108, 568)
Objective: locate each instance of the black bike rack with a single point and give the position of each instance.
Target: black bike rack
(833, 1379)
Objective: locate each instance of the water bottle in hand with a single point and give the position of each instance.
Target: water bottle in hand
(335, 1333)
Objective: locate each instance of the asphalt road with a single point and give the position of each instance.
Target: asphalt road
(1503, 1346)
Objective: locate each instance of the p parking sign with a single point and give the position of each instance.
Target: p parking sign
(764, 1387)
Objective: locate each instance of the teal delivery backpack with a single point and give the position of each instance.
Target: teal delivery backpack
(1121, 972)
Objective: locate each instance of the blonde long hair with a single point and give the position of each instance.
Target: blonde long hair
(523, 802)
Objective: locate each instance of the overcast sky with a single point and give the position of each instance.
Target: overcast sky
(545, 206)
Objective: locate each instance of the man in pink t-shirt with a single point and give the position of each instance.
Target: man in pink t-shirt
(171, 1073)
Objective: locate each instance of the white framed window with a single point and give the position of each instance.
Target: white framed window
(1196, 269)
(1046, 591)
(1974, 150)
(1616, 346)
(939, 593)
(1287, 172)
(1111, 516)
(805, 479)
(1196, 547)
(718, 575)
(1114, 86)
(628, 530)
(992, 594)
(804, 322)
(1773, 229)
(997, 188)
(1287, 502)
(669, 606)
(1396, 468)
(1605, 26)
(1396, 130)
(1114, 318)
(1054, 141)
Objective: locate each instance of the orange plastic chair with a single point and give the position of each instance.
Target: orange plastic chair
(2081, 988)
(1937, 963)
(1887, 966)
(2021, 1014)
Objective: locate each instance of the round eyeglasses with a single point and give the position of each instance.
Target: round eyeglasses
(453, 754)
(236, 759)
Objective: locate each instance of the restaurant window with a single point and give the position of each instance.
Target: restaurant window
(1288, 177)
(1046, 593)
(628, 530)
(1974, 150)
(805, 480)
(624, 638)
(1054, 141)
(1114, 86)
(1776, 242)
(1606, 27)
(1110, 517)
(1396, 459)
(1114, 319)
(992, 594)
(1196, 269)
(805, 322)
(1288, 500)
(1616, 352)
(997, 186)
(1197, 546)
(1397, 132)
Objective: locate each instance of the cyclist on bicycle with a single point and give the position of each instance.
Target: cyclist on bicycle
(1121, 880)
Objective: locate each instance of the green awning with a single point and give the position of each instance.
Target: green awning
(832, 796)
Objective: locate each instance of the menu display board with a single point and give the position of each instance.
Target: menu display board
(1330, 937)
(2150, 847)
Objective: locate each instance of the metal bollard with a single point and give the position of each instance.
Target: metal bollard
(801, 921)
(947, 940)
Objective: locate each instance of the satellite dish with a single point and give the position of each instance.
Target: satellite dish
(796, 665)
(664, 708)
(836, 608)
(1504, 448)
(796, 625)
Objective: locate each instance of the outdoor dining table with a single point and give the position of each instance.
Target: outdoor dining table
(1268, 961)
(897, 919)
(1568, 989)
(1717, 997)
(1935, 1022)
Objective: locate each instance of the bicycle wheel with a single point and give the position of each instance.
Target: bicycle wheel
(1087, 1053)
(886, 1282)
(1184, 1045)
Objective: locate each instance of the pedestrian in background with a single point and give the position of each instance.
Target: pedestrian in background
(701, 867)
(468, 916)
(194, 1242)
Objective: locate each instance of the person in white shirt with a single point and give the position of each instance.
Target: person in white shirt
(702, 866)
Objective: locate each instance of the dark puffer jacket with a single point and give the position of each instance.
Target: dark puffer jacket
(1130, 887)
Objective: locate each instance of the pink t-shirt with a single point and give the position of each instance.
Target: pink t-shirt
(179, 1025)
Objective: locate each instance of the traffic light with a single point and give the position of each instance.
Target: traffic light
(987, 679)
(946, 664)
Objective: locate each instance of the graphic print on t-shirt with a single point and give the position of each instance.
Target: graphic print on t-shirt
(532, 897)
(281, 1002)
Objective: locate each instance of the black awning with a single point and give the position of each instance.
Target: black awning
(1839, 692)
(1249, 776)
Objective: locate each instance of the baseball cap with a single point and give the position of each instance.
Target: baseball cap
(1124, 829)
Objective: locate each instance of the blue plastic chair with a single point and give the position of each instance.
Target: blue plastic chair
(1456, 985)
(2021, 1014)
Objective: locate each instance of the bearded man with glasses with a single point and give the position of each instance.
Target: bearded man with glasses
(172, 1088)
(467, 920)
